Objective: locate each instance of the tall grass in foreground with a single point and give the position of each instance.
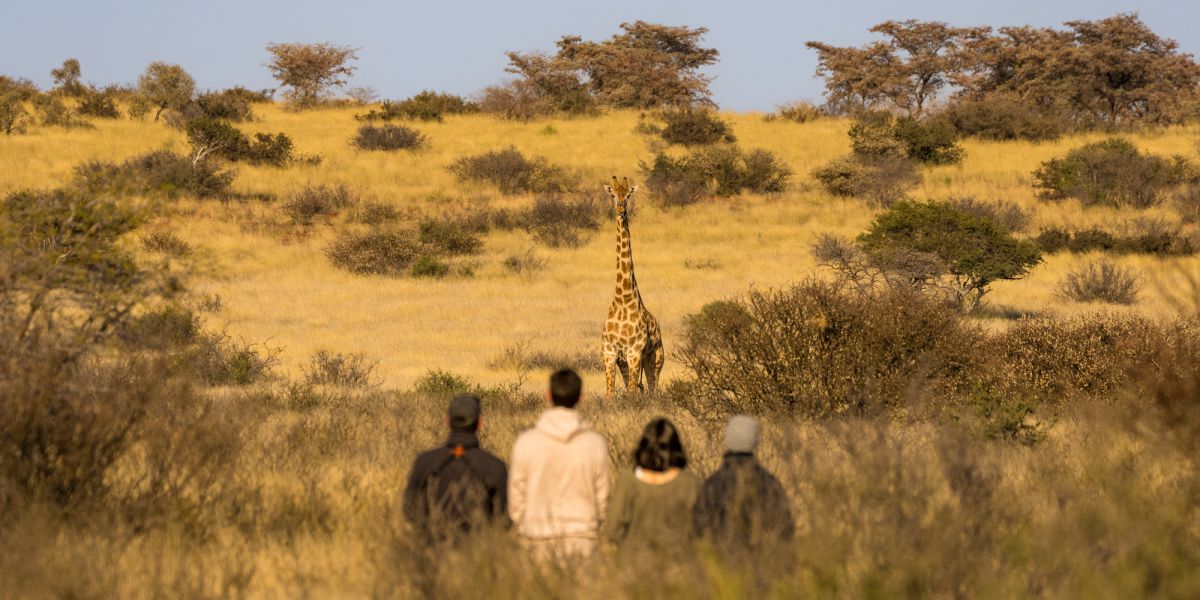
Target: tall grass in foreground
(291, 490)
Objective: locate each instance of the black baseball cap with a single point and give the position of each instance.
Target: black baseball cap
(464, 411)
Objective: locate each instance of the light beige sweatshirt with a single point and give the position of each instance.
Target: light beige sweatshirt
(558, 478)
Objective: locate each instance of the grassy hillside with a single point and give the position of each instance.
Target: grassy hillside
(277, 286)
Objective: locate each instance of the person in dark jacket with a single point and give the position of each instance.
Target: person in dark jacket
(458, 487)
(742, 505)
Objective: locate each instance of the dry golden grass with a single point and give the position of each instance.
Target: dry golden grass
(288, 294)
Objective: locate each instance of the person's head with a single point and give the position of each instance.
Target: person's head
(660, 447)
(463, 413)
(565, 388)
(741, 435)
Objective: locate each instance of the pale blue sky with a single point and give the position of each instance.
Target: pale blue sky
(459, 46)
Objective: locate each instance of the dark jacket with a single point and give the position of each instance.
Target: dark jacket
(456, 488)
(742, 505)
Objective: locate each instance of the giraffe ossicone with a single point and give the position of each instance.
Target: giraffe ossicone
(632, 342)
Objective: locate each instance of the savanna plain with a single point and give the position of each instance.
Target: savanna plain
(1079, 481)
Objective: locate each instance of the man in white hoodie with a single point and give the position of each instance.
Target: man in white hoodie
(558, 481)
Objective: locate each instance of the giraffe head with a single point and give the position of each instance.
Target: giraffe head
(620, 192)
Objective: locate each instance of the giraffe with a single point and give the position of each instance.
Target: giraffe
(632, 342)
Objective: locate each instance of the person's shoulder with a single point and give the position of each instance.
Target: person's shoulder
(491, 459)
(428, 458)
(591, 437)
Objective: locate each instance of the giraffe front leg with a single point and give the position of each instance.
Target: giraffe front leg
(610, 372)
(634, 379)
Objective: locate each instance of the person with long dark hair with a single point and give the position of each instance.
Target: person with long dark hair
(652, 503)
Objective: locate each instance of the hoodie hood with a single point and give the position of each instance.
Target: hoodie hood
(561, 424)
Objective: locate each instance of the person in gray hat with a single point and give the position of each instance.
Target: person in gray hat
(458, 487)
(742, 505)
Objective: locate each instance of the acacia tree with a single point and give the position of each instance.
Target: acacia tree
(907, 71)
(310, 70)
(66, 78)
(646, 66)
(164, 86)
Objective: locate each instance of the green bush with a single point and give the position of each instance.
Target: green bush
(881, 181)
(695, 127)
(1002, 117)
(389, 137)
(12, 113)
(722, 170)
(425, 106)
(1111, 172)
(53, 112)
(513, 173)
(975, 250)
(213, 137)
(233, 104)
(879, 135)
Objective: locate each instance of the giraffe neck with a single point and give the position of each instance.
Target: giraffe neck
(626, 291)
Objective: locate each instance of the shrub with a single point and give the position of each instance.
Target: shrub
(450, 237)
(389, 137)
(695, 127)
(878, 135)
(347, 370)
(1102, 281)
(881, 181)
(166, 86)
(54, 113)
(212, 137)
(560, 221)
(1003, 117)
(513, 173)
(219, 360)
(437, 383)
(800, 111)
(516, 100)
(12, 113)
(160, 172)
(1154, 240)
(818, 351)
(429, 266)
(376, 213)
(167, 327)
(425, 106)
(1187, 203)
(233, 104)
(318, 201)
(99, 103)
(975, 250)
(719, 170)
(166, 242)
(384, 252)
(1086, 356)
(1006, 214)
(525, 264)
(1110, 172)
